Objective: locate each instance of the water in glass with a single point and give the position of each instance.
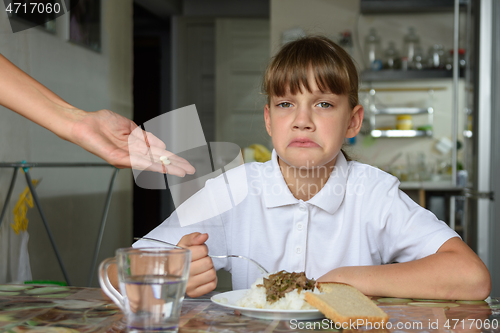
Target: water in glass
(154, 301)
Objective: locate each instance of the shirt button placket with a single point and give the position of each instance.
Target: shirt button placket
(300, 249)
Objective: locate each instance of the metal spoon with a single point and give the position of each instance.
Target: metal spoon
(261, 268)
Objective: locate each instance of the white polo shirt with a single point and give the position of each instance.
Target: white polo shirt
(360, 217)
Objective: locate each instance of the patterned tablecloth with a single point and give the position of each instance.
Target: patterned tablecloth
(28, 308)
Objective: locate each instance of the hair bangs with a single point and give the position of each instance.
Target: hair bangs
(330, 65)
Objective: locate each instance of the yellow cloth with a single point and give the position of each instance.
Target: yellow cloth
(21, 208)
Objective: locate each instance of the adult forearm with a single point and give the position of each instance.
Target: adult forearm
(26, 96)
(439, 276)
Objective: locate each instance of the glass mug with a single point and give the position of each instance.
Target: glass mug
(152, 284)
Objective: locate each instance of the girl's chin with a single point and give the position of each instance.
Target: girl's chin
(306, 161)
(302, 164)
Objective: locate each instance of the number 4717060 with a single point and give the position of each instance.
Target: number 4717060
(33, 8)
(471, 324)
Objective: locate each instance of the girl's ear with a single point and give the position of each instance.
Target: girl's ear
(355, 122)
(267, 118)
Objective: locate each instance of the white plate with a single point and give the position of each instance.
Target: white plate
(228, 300)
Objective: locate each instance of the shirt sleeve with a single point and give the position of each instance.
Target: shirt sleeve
(410, 232)
(172, 230)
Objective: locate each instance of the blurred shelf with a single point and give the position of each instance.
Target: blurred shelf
(407, 6)
(402, 110)
(400, 75)
(400, 133)
(429, 185)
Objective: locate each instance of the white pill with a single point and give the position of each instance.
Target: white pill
(165, 160)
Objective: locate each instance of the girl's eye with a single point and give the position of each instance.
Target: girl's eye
(324, 105)
(285, 105)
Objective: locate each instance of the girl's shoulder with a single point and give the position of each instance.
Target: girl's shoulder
(361, 173)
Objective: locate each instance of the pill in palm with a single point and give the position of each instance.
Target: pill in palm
(165, 160)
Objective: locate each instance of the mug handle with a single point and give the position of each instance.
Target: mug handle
(106, 285)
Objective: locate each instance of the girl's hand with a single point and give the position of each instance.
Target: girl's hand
(202, 275)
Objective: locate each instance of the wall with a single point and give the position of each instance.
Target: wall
(72, 199)
(330, 18)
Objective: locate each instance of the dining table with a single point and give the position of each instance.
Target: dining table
(63, 309)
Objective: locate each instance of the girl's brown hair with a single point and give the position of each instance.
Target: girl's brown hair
(333, 68)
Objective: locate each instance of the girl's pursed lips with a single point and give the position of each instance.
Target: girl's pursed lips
(303, 142)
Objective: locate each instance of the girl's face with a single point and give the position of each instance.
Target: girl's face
(308, 128)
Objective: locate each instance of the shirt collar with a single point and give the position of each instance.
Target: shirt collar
(329, 198)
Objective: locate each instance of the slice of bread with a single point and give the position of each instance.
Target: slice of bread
(343, 303)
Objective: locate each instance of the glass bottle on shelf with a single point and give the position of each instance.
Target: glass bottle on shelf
(410, 42)
(404, 63)
(418, 59)
(372, 50)
(392, 58)
(436, 57)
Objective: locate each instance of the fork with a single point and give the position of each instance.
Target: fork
(261, 268)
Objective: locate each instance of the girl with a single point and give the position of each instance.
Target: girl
(311, 209)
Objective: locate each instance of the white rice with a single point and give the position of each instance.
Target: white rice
(256, 298)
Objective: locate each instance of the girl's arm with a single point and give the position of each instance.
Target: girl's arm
(103, 133)
(454, 272)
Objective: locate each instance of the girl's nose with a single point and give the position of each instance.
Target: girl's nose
(303, 120)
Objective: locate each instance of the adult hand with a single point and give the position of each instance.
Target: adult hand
(202, 275)
(103, 133)
(120, 142)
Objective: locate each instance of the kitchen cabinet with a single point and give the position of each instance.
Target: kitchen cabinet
(370, 79)
(465, 204)
(438, 193)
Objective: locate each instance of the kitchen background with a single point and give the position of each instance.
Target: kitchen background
(156, 56)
